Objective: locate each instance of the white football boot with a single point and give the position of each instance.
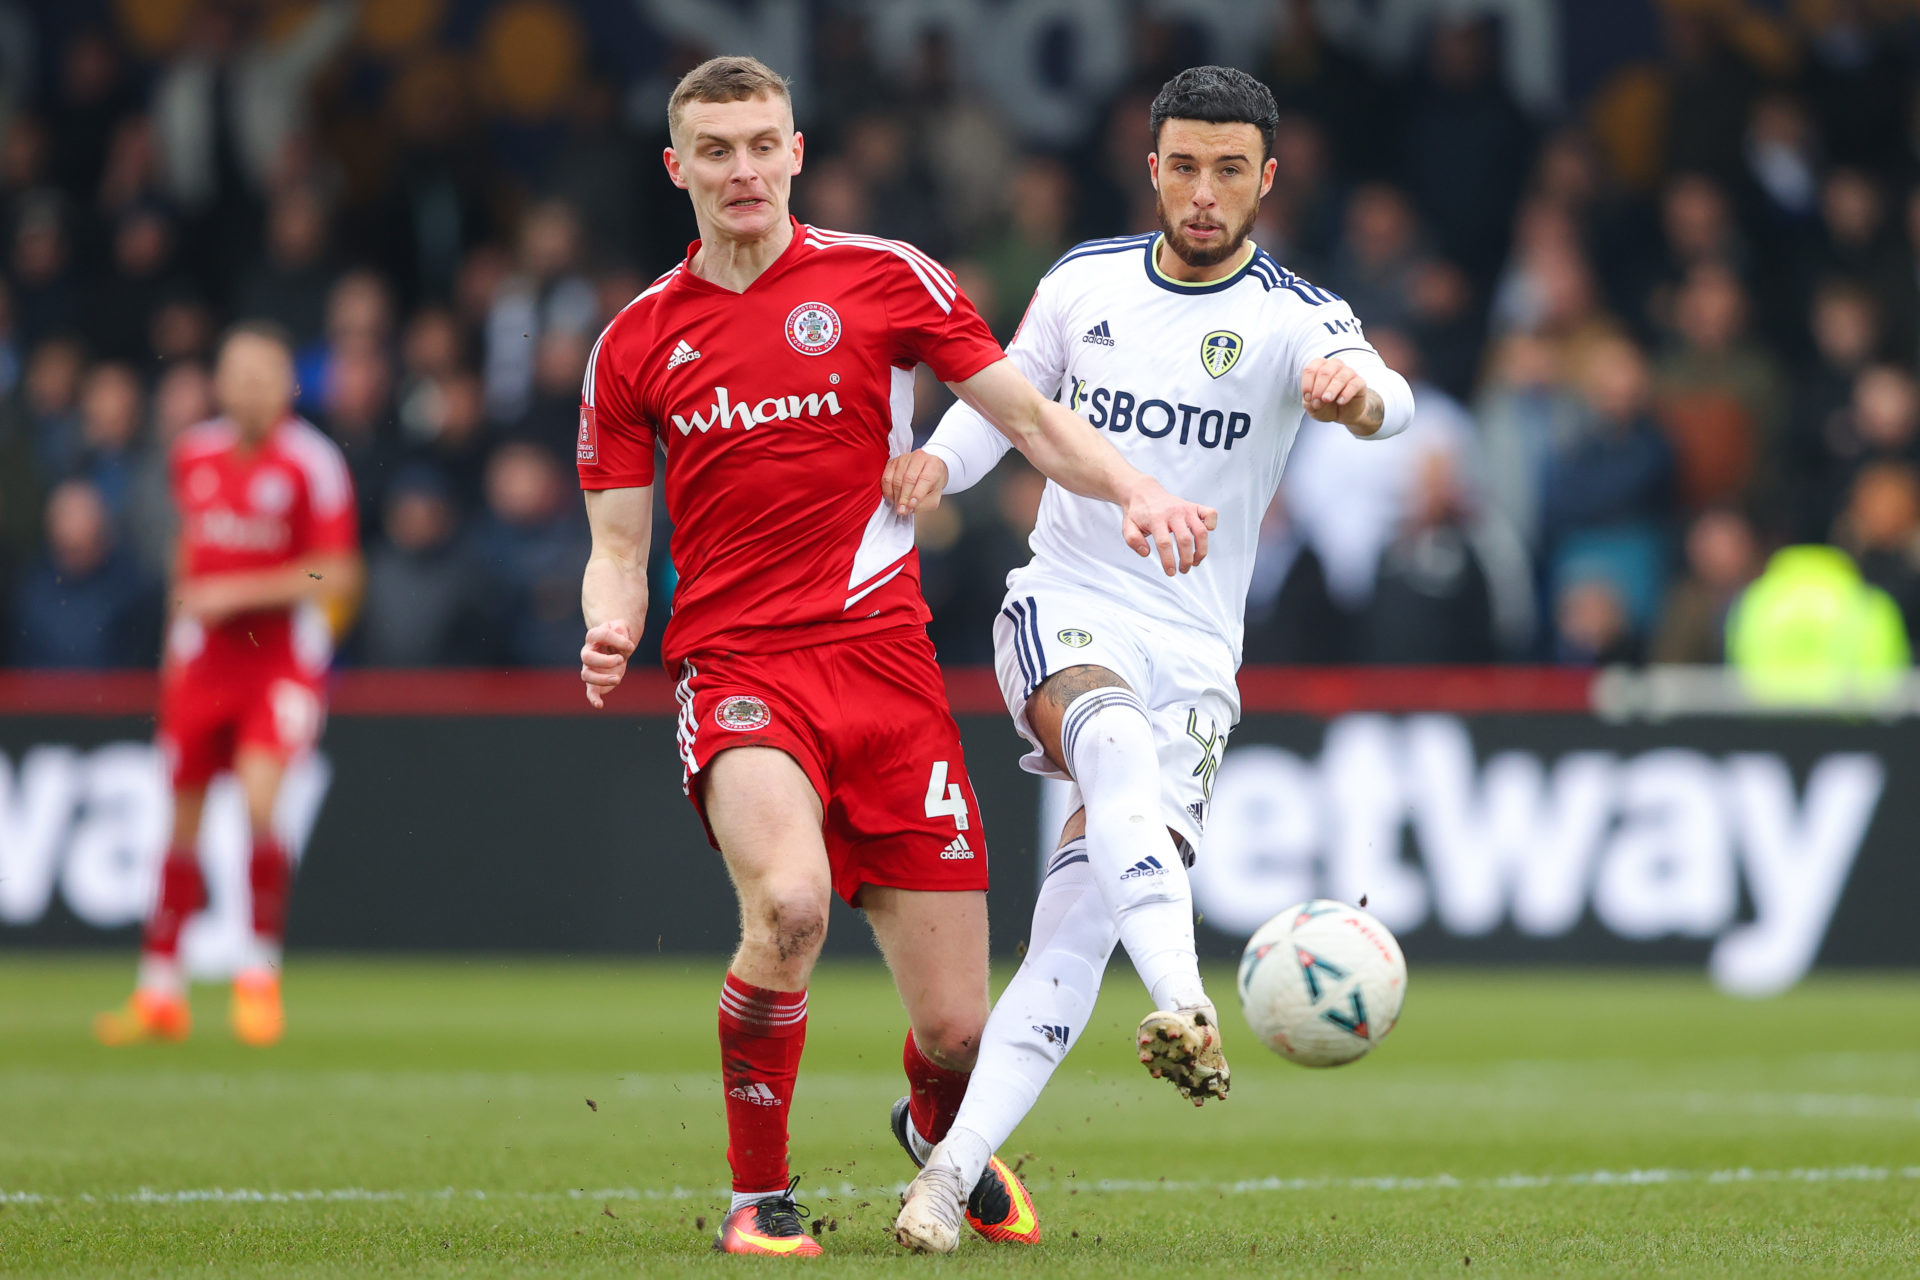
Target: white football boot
(932, 1209)
(1183, 1045)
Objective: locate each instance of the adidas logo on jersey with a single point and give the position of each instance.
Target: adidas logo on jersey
(1054, 1035)
(1148, 867)
(958, 851)
(1099, 335)
(681, 354)
(758, 1094)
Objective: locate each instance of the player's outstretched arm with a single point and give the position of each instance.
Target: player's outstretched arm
(613, 591)
(1364, 395)
(1073, 455)
(332, 578)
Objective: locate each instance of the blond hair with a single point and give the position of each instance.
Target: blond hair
(730, 79)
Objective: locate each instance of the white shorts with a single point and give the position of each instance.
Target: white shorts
(1185, 677)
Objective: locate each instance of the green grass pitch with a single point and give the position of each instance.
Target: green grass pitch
(433, 1119)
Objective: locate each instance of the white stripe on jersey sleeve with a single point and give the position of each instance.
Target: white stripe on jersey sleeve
(942, 293)
(593, 356)
(913, 252)
(329, 486)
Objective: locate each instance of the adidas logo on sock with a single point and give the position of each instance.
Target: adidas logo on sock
(756, 1093)
(958, 851)
(1099, 335)
(681, 354)
(1146, 867)
(1054, 1035)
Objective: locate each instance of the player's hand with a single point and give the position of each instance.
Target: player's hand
(914, 482)
(603, 659)
(1330, 391)
(1155, 518)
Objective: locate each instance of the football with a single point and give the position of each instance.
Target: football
(1321, 983)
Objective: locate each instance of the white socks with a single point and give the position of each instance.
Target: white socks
(966, 1153)
(1042, 1012)
(1108, 743)
(162, 975)
(260, 955)
(1122, 881)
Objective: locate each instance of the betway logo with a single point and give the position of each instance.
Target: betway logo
(1747, 852)
(725, 412)
(83, 830)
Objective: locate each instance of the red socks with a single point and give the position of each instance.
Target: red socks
(271, 876)
(761, 1035)
(934, 1092)
(183, 891)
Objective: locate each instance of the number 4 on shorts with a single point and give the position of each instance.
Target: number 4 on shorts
(944, 798)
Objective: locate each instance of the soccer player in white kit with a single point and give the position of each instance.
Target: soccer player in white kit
(1197, 354)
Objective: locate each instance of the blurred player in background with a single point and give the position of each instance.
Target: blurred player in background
(775, 366)
(268, 563)
(1197, 355)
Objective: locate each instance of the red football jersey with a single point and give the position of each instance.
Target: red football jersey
(251, 508)
(778, 408)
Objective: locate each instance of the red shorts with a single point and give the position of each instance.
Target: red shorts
(206, 716)
(868, 722)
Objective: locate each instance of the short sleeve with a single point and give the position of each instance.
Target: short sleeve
(333, 517)
(1326, 329)
(613, 440)
(1039, 347)
(934, 321)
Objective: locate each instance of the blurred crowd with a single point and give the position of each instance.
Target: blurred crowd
(1653, 336)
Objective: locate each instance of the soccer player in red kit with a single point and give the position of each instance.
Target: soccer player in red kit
(775, 366)
(268, 543)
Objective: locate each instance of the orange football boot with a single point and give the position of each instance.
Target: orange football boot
(255, 1013)
(147, 1015)
(770, 1226)
(1000, 1208)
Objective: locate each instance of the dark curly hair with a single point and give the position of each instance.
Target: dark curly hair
(1218, 95)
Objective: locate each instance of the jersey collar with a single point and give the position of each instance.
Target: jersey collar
(794, 249)
(1191, 287)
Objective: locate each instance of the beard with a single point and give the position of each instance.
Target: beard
(1197, 255)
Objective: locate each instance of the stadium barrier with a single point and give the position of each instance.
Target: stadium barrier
(1488, 816)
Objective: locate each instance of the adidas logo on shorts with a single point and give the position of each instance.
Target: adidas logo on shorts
(756, 1093)
(958, 851)
(1099, 335)
(1147, 867)
(1054, 1035)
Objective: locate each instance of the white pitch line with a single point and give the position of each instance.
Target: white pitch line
(1244, 1186)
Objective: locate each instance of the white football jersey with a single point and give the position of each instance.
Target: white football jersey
(1198, 385)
